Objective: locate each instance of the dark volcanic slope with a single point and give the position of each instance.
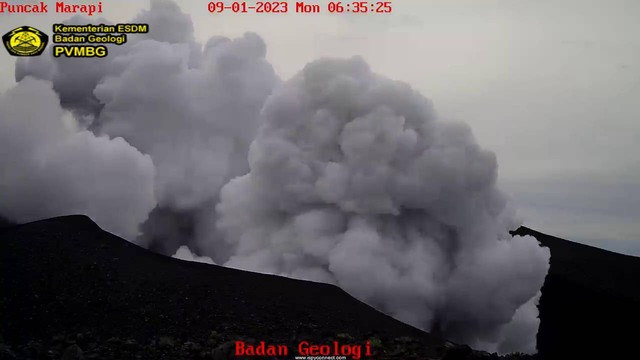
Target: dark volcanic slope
(590, 301)
(5, 223)
(66, 275)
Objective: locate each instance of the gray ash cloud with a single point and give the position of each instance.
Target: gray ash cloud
(337, 175)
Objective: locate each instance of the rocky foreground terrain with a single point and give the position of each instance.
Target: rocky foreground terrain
(69, 290)
(590, 305)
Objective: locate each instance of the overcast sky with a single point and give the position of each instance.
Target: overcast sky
(551, 86)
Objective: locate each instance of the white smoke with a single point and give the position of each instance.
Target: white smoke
(49, 168)
(184, 253)
(75, 79)
(350, 180)
(354, 182)
(192, 108)
(168, 22)
(196, 123)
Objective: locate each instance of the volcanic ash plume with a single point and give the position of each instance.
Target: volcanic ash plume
(354, 182)
(50, 168)
(196, 123)
(350, 180)
(184, 253)
(74, 79)
(192, 108)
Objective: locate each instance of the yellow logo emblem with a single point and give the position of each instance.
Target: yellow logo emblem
(25, 41)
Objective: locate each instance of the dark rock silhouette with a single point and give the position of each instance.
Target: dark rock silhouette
(65, 282)
(590, 303)
(5, 223)
(69, 289)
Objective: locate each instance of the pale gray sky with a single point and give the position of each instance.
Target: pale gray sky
(552, 86)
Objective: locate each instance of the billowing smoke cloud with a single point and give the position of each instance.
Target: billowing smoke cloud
(192, 108)
(184, 253)
(168, 22)
(49, 168)
(350, 178)
(196, 123)
(354, 182)
(74, 79)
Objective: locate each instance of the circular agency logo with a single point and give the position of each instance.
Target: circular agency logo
(25, 41)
